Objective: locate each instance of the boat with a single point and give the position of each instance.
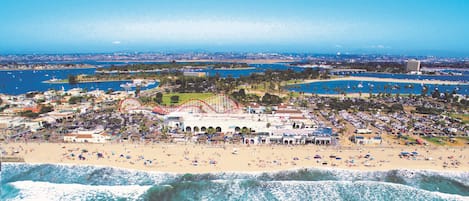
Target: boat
(360, 85)
(138, 82)
(54, 79)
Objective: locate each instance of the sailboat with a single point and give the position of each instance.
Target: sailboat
(360, 85)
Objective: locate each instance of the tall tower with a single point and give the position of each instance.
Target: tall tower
(413, 65)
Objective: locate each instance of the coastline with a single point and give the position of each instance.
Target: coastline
(373, 79)
(243, 68)
(97, 81)
(193, 158)
(249, 61)
(268, 171)
(29, 69)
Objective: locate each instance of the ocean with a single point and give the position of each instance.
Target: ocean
(21, 181)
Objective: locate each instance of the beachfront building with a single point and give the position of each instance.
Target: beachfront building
(90, 136)
(413, 66)
(285, 127)
(359, 139)
(194, 74)
(204, 122)
(363, 131)
(319, 136)
(255, 108)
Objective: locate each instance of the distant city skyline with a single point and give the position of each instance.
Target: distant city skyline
(416, 27)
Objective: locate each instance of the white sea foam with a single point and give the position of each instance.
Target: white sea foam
(129, 176)
(360, 190)
(366, 185)
(38, 191)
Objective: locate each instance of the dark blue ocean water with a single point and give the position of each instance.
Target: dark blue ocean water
(72, 182)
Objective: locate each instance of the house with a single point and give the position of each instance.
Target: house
(255, 108)
(366, 140)
(363, 131)
(90, 136)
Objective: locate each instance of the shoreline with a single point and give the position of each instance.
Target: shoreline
(373, 79)
(97, 81)
(243, 172)
(249, 61)
(243, 68)
(90, 67)
(196, 158)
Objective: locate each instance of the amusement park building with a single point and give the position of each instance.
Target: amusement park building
(201, 122)
(279, 131)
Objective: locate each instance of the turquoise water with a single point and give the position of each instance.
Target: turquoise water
(71, 182)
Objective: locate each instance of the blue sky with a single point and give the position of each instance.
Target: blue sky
(355, 26)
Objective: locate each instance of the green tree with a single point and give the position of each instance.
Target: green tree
(29, 113)
(46, 109)
(271, 99)
(72, 79)
(158, 98)
(137, 90)
(74, 100)
(174, 99)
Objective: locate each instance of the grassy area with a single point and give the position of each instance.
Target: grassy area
(265, 86)
(463, 117)
(436, 140)
(183, 97)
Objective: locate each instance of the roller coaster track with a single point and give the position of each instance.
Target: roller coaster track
(213, 104)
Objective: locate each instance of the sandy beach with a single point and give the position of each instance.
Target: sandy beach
(354, 78)
(191, 158)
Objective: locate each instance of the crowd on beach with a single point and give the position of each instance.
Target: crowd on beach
(218, 158)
